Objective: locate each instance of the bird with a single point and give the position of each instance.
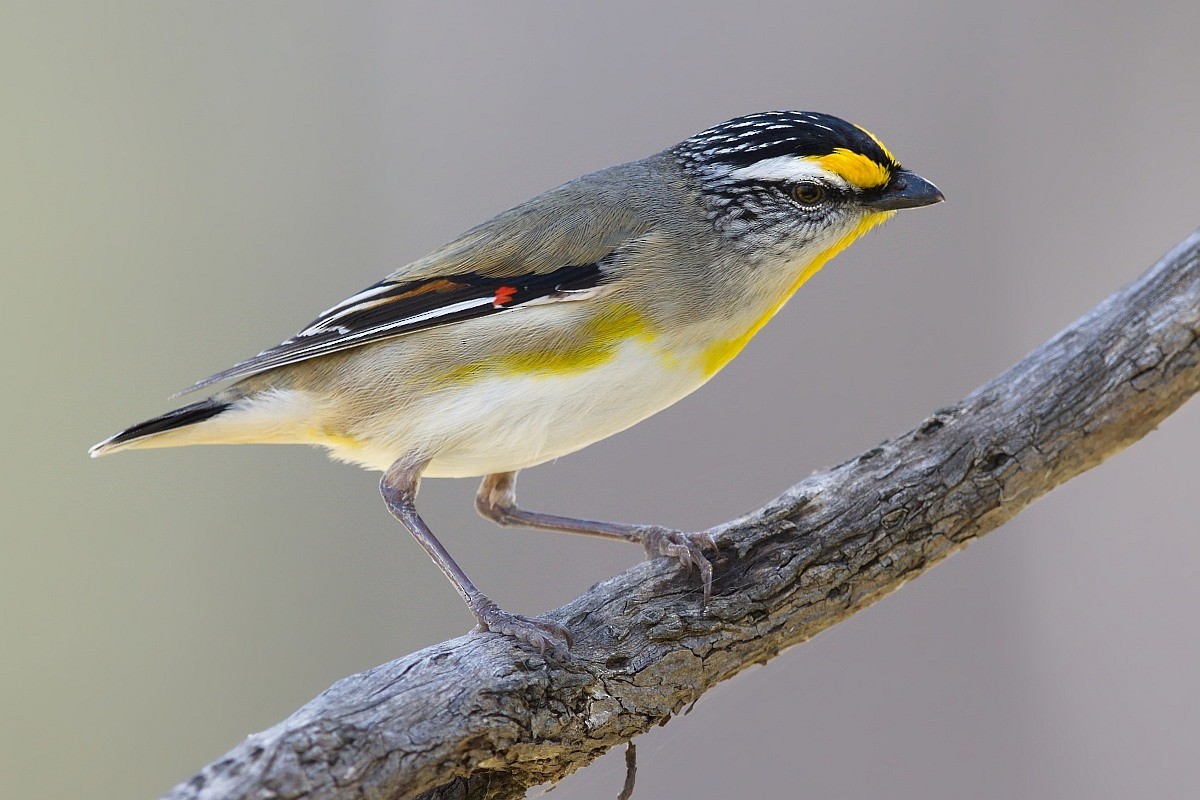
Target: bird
(558, 323)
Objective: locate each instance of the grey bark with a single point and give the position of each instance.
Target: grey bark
(483, 717)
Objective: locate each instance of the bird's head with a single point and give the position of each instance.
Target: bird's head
(786, 181)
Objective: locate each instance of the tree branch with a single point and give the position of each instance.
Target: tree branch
(483, 717)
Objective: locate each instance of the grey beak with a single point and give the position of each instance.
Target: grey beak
(906, 190)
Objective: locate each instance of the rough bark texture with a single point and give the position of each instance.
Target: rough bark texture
(483, 717)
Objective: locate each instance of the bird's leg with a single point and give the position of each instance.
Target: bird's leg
(399, 489)
(497, 501)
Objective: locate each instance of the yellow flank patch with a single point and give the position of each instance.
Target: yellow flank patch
(596, 342)
(720, 353)
(857, 169)
(330, 439)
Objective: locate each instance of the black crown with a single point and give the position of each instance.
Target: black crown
(743, 141)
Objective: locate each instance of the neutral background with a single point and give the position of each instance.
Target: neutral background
(184, 184)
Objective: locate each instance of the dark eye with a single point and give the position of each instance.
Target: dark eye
(808, 193)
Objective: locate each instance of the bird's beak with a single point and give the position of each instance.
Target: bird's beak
(905, 190)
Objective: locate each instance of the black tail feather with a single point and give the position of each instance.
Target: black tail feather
(180, 417)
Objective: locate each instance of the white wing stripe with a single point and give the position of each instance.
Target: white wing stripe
(431, 314)
(349, 303)
(329, 317)
(343, 341)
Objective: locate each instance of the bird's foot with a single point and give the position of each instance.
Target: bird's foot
(688, 548)
(542, 634)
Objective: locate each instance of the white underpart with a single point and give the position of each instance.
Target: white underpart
(509, 422)
(789, 168)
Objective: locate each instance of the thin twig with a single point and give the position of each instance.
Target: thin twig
(630, 771)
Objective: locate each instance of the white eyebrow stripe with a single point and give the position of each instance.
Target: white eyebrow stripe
(788, 168)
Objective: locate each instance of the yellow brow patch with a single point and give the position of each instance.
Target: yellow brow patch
(855, 168)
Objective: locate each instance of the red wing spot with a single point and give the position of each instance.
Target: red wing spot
(504, 294)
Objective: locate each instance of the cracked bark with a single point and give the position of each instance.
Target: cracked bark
(483, 717)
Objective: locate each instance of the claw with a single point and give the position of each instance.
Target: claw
(687, 548)
(541, 633)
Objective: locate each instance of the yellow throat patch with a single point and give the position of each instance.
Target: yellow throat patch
(721, 352)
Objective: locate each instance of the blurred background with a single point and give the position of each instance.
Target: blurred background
(182, 185)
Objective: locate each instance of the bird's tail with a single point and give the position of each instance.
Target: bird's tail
(162, 431)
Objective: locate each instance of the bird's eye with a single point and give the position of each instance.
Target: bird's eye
(808, 193)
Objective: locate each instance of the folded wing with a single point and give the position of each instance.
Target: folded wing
(395, 307)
